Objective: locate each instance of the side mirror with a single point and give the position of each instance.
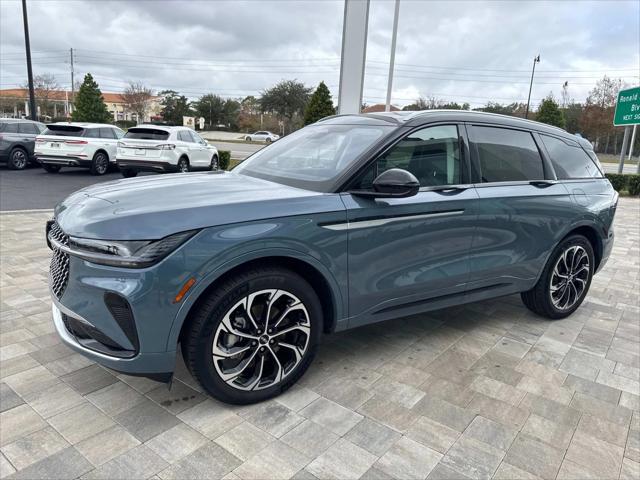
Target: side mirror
(392, 183)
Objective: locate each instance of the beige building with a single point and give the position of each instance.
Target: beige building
(14, 102)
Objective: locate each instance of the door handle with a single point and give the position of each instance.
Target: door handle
(542, 183)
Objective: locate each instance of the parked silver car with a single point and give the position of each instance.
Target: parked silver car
(262, 136)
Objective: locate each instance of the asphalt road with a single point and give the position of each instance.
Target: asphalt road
(34, 189)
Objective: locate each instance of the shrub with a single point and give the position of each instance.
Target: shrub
(618, 181)
(126, 124)
(224, 158)
(633, 184)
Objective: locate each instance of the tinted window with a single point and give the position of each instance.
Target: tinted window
(507, 155)
(106, 133)
(10, 128)
(28, 128)
(146, 134)
(92, 133)
(184, 136)
(431, 154)
(64, 130)
(569, 160)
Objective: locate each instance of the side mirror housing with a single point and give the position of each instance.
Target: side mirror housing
(392, 183)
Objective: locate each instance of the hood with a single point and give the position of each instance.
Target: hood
(155, 206)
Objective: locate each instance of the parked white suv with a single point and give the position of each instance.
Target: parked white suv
(71, 144)
(262, 136)
(154, 148)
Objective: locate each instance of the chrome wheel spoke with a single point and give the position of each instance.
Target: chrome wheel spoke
(569, 278)
(248, 351)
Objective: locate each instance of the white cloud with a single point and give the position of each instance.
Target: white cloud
(469, 51)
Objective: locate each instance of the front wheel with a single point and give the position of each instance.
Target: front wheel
(268, 140)
(100, 164)
(214, 163)
(247, 138)
(565, 280)
(253, 336)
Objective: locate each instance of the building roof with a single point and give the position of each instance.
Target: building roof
(61, 95)
(379, 107)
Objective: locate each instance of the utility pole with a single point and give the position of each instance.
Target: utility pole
(535, 60)
(393, 56)
(73, 86)
(27, 46)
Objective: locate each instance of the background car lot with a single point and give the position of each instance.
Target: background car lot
(487, 390)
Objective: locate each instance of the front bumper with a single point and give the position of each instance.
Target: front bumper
(157, 366)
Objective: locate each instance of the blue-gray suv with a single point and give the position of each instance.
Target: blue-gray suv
(352, 220)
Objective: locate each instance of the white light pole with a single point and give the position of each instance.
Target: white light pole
(392, 60)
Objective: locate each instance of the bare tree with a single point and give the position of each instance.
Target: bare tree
(45, 88)
(137, 98)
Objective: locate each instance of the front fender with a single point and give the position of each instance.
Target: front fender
(337, 288)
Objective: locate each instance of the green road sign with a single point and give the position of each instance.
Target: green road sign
(628, 107)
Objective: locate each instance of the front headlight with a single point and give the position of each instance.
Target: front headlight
(128, 254)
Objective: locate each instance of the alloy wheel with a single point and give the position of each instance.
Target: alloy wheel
(570, 277)
(18, 159)
(183, 166)
(261, 339)
(102, 164)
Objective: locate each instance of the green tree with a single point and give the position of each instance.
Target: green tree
(89, 105)
(174, 107)
(549, 112)
(287, 99)
(320, 105)
(211, 107)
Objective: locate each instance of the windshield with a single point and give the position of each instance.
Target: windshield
(64, 130)
(314, 157)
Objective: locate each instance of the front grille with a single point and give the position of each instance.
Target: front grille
(59, 268)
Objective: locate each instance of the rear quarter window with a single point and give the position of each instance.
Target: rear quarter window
(569, 159)
(10, 127)
(146, 134)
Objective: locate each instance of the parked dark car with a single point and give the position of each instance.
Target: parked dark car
(17, 140)
(349, 221)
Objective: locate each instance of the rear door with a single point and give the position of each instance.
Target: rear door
(521, 207)
(405, 253)
(109, 142)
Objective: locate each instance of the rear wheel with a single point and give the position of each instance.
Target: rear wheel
(51, 168)
(18, 159)
(99, 164)
(565, 280)
(254, 335)
(183, 165)
(129, 173)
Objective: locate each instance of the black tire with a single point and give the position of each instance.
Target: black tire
(214, 163)
(129, 173)
(539, 300)
(183, 165)
(268, 140)
(18, 159)
(51, 168)
(99, 164)
(198, 335)
(247, 138)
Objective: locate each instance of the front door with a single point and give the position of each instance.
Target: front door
(406, 253)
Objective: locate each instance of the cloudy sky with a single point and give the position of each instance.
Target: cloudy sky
(465, 51)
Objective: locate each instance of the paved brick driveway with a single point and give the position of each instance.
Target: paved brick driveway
(486, 390)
